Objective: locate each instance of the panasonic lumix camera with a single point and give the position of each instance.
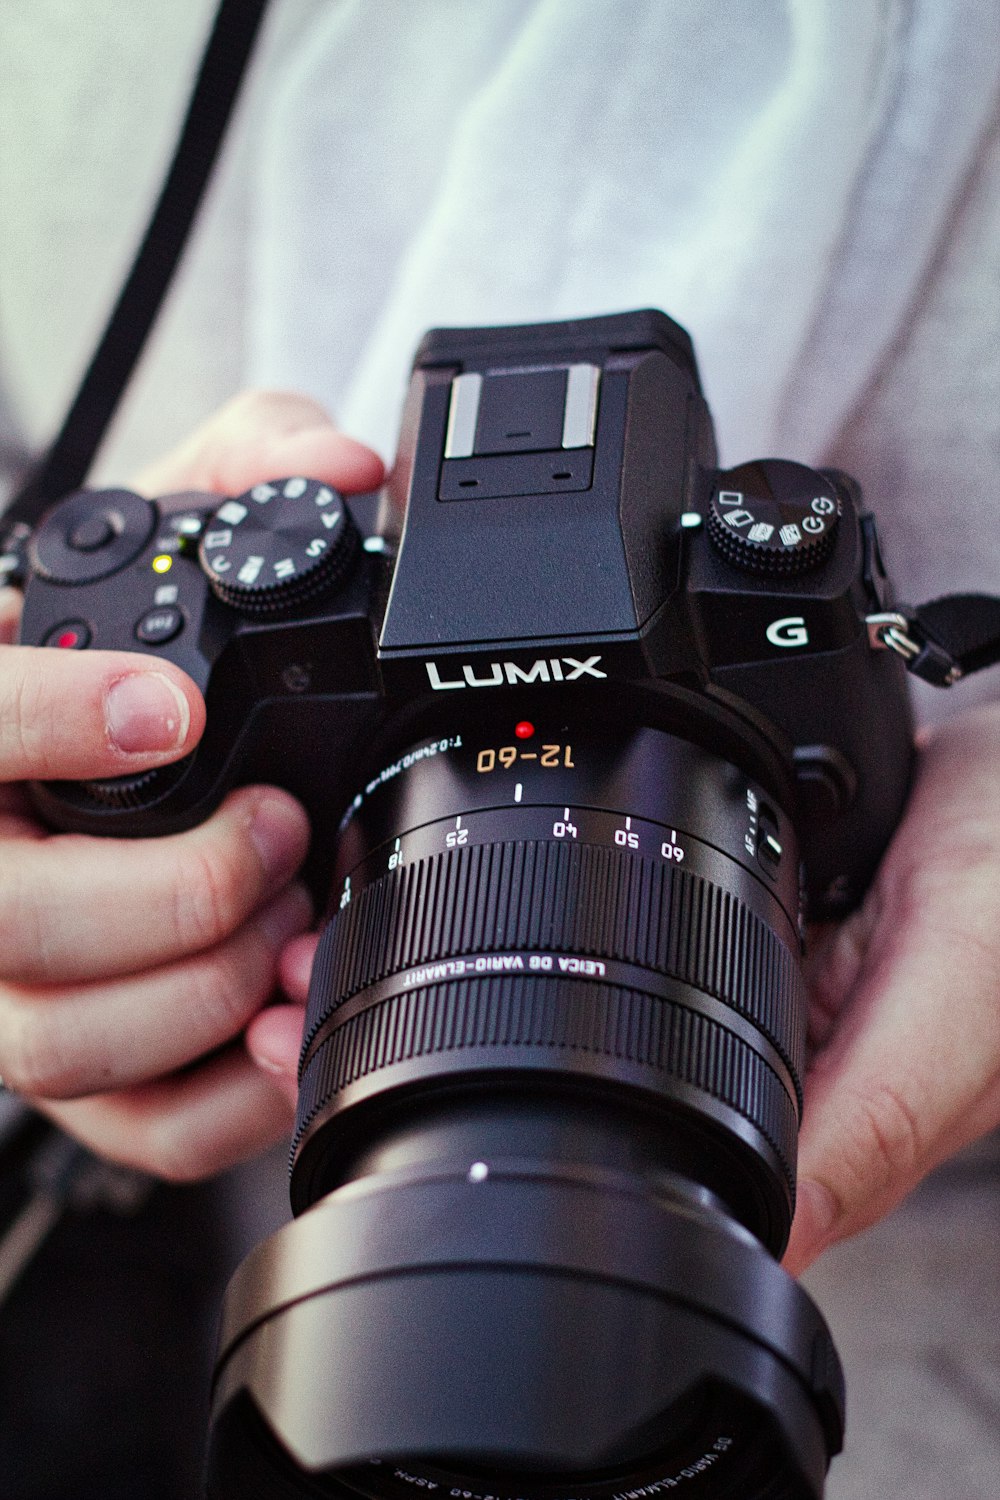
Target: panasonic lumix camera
(584, 741)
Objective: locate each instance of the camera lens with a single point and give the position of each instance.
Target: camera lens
(545, 1147)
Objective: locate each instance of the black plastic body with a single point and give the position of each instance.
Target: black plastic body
(590, 577)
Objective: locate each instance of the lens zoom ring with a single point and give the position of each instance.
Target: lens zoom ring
(582, 899)
(541, 1012)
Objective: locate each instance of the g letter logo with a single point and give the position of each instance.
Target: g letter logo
(790, 631)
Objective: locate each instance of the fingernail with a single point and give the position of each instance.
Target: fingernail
(268, 1064)
(146, 712)
(274, 1041)
(281, 836)
(286, 917)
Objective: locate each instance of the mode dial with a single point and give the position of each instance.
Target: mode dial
(278, 545)
(773, 516)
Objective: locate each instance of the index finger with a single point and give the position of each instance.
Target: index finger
(258, 435)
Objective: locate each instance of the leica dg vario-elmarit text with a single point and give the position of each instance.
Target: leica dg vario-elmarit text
(582, 747)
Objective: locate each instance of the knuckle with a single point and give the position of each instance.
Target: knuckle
(27, 721)
(25, 941)
(209, 898)
(890, 1134)
(226, 990)
(249, 402)
(268, 405)
(254, 421)
(241, 415)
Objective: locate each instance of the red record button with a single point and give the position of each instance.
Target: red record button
(71, 635)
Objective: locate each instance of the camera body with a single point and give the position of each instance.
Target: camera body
(566, 531)
(583, 738)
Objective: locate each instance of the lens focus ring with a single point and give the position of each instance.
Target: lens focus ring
(576, 899)
(627, 972)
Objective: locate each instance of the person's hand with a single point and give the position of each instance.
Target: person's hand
(129, 968)
(905, 1012)
(905, 1018)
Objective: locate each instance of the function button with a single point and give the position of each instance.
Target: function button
(71, 635)
(827, 783)
(158, 626)
(188, 526)
(182, 532)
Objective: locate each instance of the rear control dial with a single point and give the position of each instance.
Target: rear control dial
(774, 517)
(278, 545)
(92, 534)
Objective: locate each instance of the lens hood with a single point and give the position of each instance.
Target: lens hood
(507, 1332)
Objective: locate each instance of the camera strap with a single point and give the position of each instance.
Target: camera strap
(943, 640)
(64, 467)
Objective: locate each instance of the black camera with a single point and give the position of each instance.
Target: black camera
(607, 724)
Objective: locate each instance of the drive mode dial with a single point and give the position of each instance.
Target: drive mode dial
(773, 516)
(278, 545)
